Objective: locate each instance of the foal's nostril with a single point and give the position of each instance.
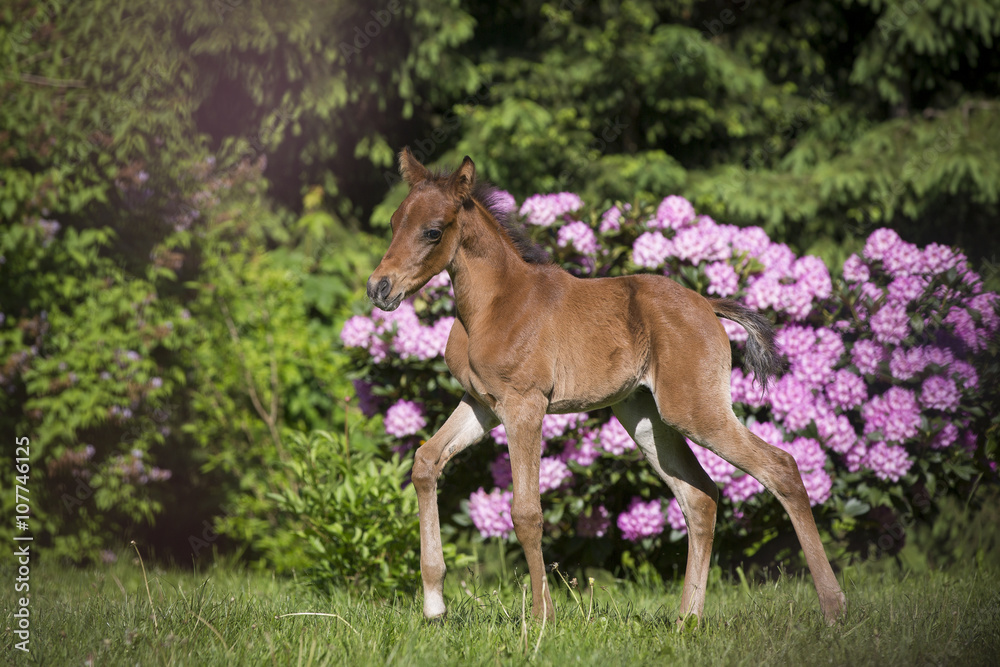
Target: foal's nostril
(383, 288)
(380, 290)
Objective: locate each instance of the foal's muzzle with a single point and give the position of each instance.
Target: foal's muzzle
(379, 294)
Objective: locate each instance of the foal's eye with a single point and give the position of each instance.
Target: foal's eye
(432, 234)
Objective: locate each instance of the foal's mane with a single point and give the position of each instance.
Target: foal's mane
(493, 201)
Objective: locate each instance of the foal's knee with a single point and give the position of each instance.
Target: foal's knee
(527, 521)
(423, 475)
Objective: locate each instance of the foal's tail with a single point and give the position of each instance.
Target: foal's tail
(761, 355)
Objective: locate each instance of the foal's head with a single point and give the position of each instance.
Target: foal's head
(425, 233)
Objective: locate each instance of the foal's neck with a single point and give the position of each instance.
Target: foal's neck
(486, 266)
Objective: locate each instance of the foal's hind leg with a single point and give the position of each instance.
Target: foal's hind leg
(466, 425)
(696, 493)
(776, 470)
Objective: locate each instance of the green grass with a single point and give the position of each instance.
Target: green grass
(230, 616)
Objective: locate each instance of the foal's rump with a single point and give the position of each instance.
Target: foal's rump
(686, 347)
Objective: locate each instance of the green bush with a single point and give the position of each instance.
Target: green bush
(354, 514)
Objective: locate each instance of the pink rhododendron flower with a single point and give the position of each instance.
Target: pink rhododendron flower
(945, 437)
(939, 393)
(611, 220)
(501, 472)
(556, 425)
(583, 451)
(641, 520)
(902, 259)
(965, 328)
(837, 432)
(651, 249)
(552, 473)
(846, 390)
(674, 212)
(745, 389)
(904, 364)
(722, 279)
(937, 259)
(743, 487)
(807, 453)
(818, 485)
(543, 210)
(615, 439)
(357, 331)
(490, 512)
(880, 242)
(719, 469)
(404, 418)
(891, 324)
(578, 235)
(888, 462)
(895, 414)
(867, 355)
(855, 270)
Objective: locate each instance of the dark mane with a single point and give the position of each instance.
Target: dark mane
(491, 199)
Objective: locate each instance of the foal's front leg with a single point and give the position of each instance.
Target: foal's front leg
(467, 424)
(524, 436)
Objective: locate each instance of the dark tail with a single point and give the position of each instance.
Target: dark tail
(761, 355)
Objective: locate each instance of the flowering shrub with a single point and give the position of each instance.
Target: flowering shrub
(881, 394)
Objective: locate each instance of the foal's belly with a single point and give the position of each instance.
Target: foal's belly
(581, 388)
(585, 403)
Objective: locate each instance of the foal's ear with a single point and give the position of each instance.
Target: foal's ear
(410, 169)
(463, 179)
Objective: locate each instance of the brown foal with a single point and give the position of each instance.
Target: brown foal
(531, 339)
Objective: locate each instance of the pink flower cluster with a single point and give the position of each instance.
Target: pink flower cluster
(673, 213)
(543, 210)
(641, 520)
(399, 332)
(579, 236)
(490, 512)
(404, 418)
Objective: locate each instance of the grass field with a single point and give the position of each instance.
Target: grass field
(227, 616)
